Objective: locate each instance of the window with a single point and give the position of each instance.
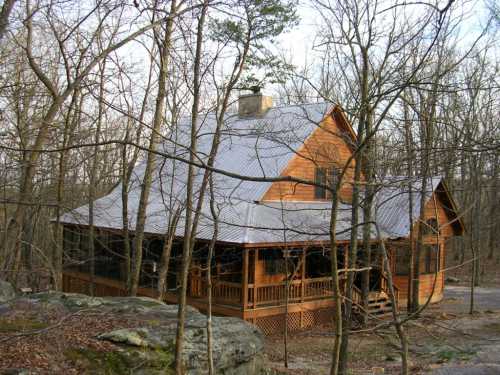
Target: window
(429, 259)
(431, 226)
(324, 176)
(402, 261)
(274, 262)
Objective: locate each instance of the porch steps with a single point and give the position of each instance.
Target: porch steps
(379, 304)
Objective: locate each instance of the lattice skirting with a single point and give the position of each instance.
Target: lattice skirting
(274, 324)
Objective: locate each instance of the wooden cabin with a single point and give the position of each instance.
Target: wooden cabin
(266, 230)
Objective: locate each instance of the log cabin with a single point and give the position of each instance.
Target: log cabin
(272, 236)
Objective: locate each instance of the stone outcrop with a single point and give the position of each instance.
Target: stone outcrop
(149, 349)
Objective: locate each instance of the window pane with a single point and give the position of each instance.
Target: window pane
(428, 259)
(333, 174)
(402, 260)
(320, 178)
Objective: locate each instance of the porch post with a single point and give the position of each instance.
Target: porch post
(244, 284)
(346, 266)
(302, 291)
(255, 260)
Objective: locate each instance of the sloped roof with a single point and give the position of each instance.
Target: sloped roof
(257, 147)
(392, 204)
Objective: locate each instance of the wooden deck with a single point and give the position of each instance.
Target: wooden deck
(310, 301)
(262, 300)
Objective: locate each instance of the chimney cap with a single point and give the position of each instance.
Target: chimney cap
(255, 89)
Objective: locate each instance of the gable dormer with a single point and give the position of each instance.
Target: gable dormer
(323, 155)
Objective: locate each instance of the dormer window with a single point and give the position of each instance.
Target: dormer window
(324, 176)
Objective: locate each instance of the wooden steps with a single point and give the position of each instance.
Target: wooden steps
(379, 304)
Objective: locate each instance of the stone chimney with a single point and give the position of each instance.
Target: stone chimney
(254, 104)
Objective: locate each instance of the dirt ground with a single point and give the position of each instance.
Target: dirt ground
(444, 335)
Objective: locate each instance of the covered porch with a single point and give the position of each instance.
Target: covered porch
(257, 284)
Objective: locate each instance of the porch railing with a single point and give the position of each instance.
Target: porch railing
(275, 293)
(224, 292)
(231, 293)
(384, 286)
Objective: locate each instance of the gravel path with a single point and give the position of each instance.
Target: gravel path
(457, 299)
(487, 359)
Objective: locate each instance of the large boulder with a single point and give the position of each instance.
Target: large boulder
(7, 291)
(236, 347)
(150, 349)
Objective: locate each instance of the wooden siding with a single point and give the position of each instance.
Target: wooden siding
(449, 223)
(328, 145)
(443, 219)
(426, 282)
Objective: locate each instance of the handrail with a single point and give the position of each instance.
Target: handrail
(217, 281)
(299, 291)
(357, 295)
(296, 282)
(384, 285)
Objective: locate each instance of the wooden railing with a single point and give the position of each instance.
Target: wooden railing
(357, 296)
(384, 286)
(231, 293)
(275, 294)
(224, 292)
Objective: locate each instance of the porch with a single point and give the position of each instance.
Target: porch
(255, 284)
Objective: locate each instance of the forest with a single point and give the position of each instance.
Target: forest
(93, 91)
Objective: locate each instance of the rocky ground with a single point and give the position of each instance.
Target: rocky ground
(445, 340)
(56, 333)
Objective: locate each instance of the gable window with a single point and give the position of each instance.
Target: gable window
(324, 176)
(431, 226)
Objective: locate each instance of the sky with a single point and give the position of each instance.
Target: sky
(300, 41)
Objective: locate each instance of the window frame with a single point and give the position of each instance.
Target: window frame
(324, 176)
(402, 252)
(431, 227)
(429, 259)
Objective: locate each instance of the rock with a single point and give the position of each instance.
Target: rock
(117, 305)
(451, 279)
(150, 349)
(7, 292)
(237, 345)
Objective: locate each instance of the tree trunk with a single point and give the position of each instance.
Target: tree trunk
(147, 180)
(4, 16)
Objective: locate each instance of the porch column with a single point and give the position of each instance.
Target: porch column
(303, 286)
(244, 283)
(255, 260)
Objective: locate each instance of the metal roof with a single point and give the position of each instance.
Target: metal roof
(258, 147)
